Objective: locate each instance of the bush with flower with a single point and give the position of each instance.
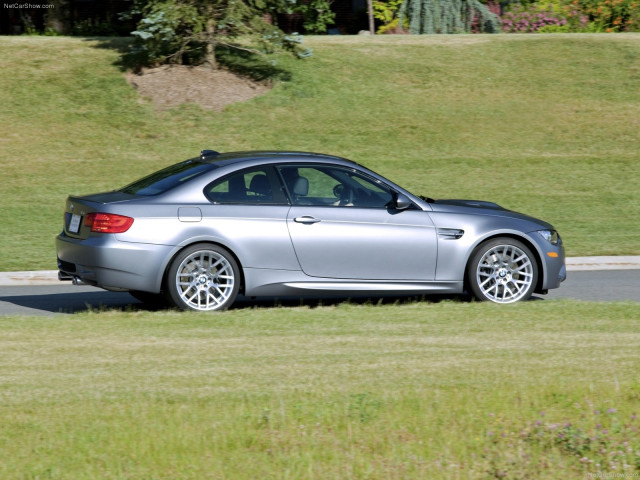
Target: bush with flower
(528, 20)
(544, 18)
(612, 15)
(572, 16)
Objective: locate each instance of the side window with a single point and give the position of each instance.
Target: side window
(250, 186)
(334, 186)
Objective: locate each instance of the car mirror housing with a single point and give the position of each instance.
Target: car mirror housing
(402, 202)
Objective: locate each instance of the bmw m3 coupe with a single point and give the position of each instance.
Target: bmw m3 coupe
(205, 230)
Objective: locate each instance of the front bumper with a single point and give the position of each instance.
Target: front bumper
(555, 270)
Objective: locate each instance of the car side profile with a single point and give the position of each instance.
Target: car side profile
(205, 230)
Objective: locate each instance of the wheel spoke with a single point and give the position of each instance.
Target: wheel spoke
(520, 258)
(212, 297)
(219, 291)
(523, 273)
(219, 262)
(187, 298)
(486, 281)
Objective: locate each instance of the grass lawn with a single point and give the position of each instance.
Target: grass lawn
(543, 124)
(450, 390)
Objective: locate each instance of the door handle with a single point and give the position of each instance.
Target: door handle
(307, 220)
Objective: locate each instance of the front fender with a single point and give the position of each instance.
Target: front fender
(454, 253)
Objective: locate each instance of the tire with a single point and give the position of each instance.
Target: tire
(203, 277)
(502, 270)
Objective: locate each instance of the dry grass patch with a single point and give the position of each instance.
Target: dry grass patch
(169, 87)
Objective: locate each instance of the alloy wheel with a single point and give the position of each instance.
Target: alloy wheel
(505, 273)
(205, 280)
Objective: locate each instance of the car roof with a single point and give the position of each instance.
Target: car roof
(250, 157)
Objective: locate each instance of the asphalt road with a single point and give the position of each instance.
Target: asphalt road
(601, 285)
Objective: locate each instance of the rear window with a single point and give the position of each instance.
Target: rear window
(168, 178)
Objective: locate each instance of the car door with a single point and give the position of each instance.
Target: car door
(342, 225)
(248, 214)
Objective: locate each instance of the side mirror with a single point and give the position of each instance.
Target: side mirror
(402, 202)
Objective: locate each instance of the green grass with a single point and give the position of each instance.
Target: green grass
(543, 390)
(546, 125)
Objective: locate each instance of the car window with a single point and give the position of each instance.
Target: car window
(250, 186)
(167, 178)
(334, 186)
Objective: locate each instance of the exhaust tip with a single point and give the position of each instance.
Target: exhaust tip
(64, 277)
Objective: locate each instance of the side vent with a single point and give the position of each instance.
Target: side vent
(204, 154)
(450, 233)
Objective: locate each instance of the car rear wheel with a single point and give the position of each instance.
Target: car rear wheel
(203, 277)
(503, 270)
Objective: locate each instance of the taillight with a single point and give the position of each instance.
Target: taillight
(107, 222)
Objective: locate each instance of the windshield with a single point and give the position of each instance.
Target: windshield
(167, 178)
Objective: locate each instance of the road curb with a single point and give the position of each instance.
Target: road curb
(574, 264)
(40, 277)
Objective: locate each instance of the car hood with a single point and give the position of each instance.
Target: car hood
(480, 207)
(468, 203)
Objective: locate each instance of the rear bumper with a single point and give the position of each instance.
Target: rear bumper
(108, 263)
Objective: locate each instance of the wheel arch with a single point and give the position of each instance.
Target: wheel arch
(527, 242)
(204, 242)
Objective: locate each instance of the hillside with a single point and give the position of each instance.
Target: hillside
(544, 124)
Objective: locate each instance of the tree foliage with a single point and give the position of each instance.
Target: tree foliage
(317, 15)
(188, 31)
(448, 16)
(387, 13)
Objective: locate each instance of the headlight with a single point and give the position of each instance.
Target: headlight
(551, 236)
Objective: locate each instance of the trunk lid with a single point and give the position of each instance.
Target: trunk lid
(77, 208)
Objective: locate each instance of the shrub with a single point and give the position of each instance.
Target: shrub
(455, 16)
(171, 31)
(528, 20)
(612, 15)
(574, 16)
(387, 13)
(317, 15)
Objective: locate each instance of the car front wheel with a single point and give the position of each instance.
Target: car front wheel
(203, 277)
(502, 270)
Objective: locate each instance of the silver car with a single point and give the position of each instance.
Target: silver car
(203, 231)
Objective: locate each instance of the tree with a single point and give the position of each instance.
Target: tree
(448, 16)
(188, 31)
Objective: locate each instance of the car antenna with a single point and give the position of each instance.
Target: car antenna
(204, 154)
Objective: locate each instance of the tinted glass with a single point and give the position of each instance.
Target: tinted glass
(168, 178)
(251, 186)
(334, 186)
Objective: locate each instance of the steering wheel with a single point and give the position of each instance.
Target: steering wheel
(344, 194)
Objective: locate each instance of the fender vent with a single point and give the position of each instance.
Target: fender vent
(450, 233)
